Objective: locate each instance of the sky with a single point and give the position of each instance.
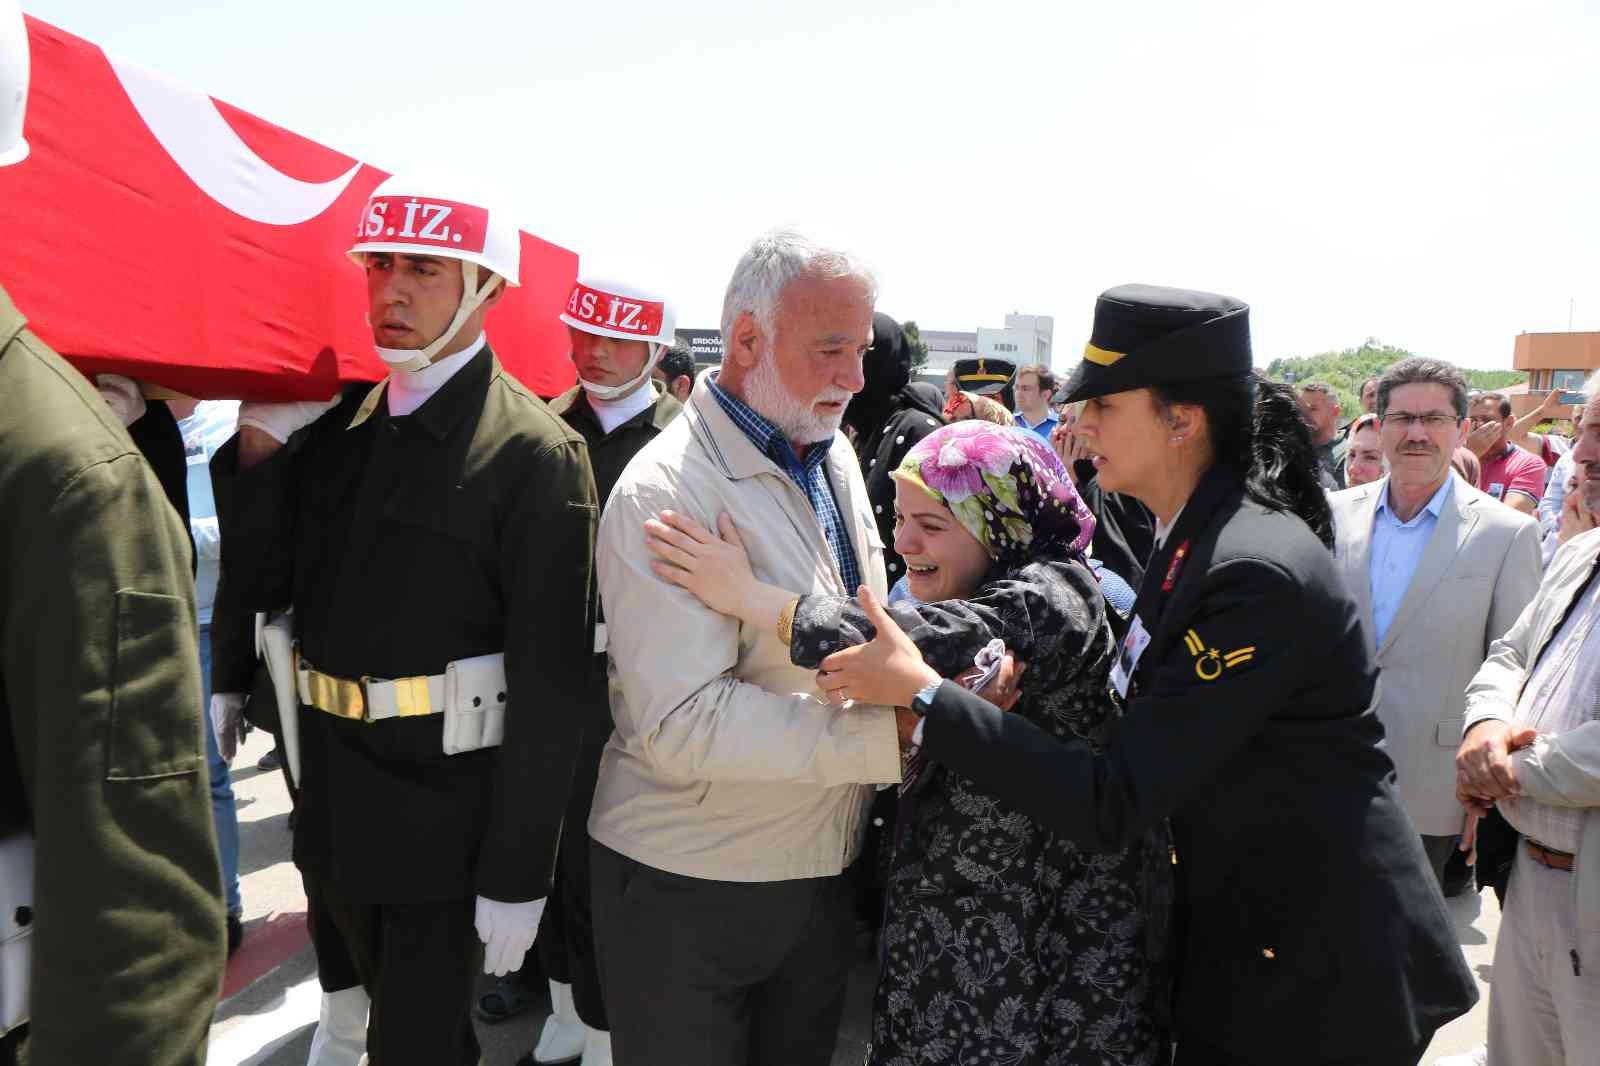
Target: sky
(1423, 173)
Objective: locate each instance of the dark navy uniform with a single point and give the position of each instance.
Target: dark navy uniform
(1310, 927)
(566, 931)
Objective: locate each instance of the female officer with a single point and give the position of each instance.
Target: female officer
(1310, 929)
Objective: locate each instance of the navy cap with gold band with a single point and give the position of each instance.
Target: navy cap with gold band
(984, 376)
(1149, 335)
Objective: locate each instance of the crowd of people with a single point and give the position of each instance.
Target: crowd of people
(1148, 715)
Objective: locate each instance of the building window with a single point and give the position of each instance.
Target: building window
(1569, 380)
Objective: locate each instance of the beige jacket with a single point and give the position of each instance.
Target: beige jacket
(725, 763)
(1564, 770)
(1478, 571)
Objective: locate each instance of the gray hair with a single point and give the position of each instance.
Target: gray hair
(1591, 389)
(772, 261)
(1424, 371)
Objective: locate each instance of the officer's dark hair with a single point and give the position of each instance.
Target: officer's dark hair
(1256, 427)
(1420, 370)
(676, 362)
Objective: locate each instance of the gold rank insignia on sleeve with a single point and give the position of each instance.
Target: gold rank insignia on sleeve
(1209, 662)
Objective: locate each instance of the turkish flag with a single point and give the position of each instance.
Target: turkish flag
(156, 232)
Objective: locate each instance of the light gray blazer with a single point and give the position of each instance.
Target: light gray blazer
(1479, 570)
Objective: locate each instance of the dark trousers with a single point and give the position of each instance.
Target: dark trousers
(720, 973)
(418, 962)
(566, 931)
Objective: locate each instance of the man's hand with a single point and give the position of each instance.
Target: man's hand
(507, 931)
(227, 722)
(1483, 762)
(1482, 438)
(266, 427)
(887, 669)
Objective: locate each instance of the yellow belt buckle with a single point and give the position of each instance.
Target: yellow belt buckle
(335, 695)
(411, 699)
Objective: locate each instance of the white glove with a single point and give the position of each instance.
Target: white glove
(122, 395)
(227, 722)
(507, 931)
(279, 420)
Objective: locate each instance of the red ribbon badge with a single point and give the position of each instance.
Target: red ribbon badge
(620, 313)
(1175, 567)
(424, 223)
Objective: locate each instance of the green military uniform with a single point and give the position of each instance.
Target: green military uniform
(405, 544)
(100, 744)
(566, 933)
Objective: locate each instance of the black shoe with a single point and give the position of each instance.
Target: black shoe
(270, 761)
(507, 999)
(235, 933)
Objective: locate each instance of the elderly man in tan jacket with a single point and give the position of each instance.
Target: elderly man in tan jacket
(731, 797)
(1532, 746)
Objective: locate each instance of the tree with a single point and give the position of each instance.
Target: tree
(1346, 370)
(919, 347)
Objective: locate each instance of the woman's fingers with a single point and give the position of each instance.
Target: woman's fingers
(670, 552)
(729, 531)
(687, 526)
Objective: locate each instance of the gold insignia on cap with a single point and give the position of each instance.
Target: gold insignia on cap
(1099, 356)
(1210, 662)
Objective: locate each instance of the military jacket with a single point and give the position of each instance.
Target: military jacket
(100, 742)
(403, 544)
(1311, 929)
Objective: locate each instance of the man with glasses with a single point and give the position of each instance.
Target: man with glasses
(1511, 474)
(1439, 573)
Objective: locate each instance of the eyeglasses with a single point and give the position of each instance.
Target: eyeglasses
(1434, 421)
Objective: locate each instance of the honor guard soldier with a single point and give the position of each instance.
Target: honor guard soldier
(111, 915)
(619, 334)
(1309, 927)
(434, 538)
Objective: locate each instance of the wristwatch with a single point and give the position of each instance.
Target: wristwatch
(924, 698)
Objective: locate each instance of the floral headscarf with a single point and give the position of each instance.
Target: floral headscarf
(1005, 486)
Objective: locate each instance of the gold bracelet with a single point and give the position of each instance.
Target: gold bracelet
(786, 621)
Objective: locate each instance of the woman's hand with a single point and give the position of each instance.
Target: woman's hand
(714, 568)
(888, 669)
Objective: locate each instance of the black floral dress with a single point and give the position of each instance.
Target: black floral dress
(1001, 943)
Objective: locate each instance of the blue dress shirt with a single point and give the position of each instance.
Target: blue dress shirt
(809, 474)
(1044, 427)
(1397, 548)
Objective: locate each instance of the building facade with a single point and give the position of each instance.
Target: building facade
(1553, 361)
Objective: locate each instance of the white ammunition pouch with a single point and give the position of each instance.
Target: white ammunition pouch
(16, 929)
(474, 703)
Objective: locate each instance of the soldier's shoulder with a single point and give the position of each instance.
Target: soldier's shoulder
(53, 424)
(525, 417)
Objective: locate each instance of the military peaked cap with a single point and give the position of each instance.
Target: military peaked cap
(1148, 335)
(984, 376)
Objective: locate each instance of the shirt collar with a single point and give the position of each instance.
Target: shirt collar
(454, 399)
(764, 435)
(1163, 529)
(1022, 420)
(1434, 505)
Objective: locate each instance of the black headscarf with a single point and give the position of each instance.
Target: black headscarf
(887, 369)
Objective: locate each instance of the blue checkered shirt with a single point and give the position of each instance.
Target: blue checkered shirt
(808, 473)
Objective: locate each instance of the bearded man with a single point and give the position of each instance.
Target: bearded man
(732, 797)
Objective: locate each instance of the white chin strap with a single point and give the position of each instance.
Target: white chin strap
(617, 392)
(472, 297)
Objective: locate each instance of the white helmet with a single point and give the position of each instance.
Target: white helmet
(625, 312)
(407, 216)
(612, 309)
(13, 82)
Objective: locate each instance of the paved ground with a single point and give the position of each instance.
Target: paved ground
(270, 997)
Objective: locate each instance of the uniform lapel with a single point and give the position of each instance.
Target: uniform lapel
(1450, 533)
(1169, 576)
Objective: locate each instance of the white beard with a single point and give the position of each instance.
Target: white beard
(797, 419)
